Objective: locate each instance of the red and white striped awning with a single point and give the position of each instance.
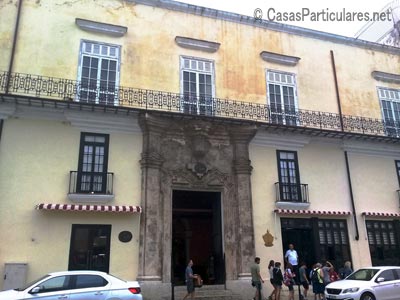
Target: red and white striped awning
(311, 212)
(98, 208)
(378, 214)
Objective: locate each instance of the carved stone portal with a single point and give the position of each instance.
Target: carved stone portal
(194, 155)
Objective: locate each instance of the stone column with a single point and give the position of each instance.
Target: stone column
(241, 137)
(150, 249)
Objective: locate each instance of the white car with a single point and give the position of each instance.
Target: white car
(76, 285)
(374, 283)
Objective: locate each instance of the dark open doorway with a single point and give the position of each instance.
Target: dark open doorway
(90, 247)
(197, 235)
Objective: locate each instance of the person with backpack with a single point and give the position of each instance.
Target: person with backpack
(288, 279)
(317, 281)
(278, 279)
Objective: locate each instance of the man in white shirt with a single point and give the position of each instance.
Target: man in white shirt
(292, 257)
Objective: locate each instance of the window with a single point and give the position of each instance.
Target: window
(398, 170)
(89, 281)
(98, 73)
(197, 86)
(388, 275)
(93, 160)
(390, 105)
(333, 240)
(383, 243)
(289, 177)
(55, 284)
(282, 100)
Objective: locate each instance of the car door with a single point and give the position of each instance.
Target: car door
(386, 289)
(54, 288)
(90, 287)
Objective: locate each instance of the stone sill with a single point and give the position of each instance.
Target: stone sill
(91, 198)
(292, 205)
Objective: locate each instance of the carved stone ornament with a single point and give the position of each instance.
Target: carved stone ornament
(199, 169)
(268, 239)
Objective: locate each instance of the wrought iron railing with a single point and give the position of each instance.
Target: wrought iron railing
(91, 183)
(291, 192)
(90, 92)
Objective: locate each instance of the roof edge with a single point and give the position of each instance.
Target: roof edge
(247, 20)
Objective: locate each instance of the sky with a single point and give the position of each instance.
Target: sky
(271, 9)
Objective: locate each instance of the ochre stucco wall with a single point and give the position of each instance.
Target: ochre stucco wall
(150, 56)
(34, 168)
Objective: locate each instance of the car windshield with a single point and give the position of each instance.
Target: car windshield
(363, 274)
(31, 283)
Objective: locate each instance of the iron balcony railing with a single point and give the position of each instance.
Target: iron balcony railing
(291, 192)
(91, 183)
(94, 92)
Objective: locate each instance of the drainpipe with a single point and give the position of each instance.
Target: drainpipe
(357, 236)
(1, 127)
(337, 91)
(10, 66)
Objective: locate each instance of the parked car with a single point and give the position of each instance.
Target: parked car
(76, 285)
(374, 283)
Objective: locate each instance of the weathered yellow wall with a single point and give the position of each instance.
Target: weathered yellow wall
(322, 166)
(28, 177)
(150, 56)
(8, 13)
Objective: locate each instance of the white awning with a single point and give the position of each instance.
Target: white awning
(311, 212)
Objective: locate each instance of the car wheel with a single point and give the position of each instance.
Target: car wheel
(367, 296)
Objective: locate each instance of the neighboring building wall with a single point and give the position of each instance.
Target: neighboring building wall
(36, 158)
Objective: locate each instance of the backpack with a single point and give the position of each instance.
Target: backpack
(287, 279)
(315, 276)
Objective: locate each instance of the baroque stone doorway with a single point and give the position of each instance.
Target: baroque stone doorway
(197, 154)
(197, 235)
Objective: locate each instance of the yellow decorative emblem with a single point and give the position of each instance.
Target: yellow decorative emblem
(268, 239)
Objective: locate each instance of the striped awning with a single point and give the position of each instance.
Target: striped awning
(379, 214)
(95, 208)
(311, 212)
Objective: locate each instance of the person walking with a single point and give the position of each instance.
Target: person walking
(256, 279)
(189, 280)
(278, 279)
(303, 279)
(289, 280)
(271, 266)
(317, 281)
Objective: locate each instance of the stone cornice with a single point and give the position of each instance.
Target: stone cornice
(279, 58)
(103, 123)
(386, 77)
(280, 141)
(98, 27)
(250, 21)
(195, 44)
(85, 120)
(372, 149)
(7, 110)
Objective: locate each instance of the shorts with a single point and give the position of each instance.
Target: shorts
(257, 285)
(190, 286)
(278, 286)
(318, 288)
(305, 285)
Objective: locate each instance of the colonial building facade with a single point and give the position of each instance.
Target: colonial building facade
(136, 135)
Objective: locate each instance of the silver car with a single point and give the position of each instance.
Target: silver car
(374, 283)
(76, 285)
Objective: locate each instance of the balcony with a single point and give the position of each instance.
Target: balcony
(291, 196)
(60, 93)
(93, 187)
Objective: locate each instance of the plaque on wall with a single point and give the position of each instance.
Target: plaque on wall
(125, 236)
